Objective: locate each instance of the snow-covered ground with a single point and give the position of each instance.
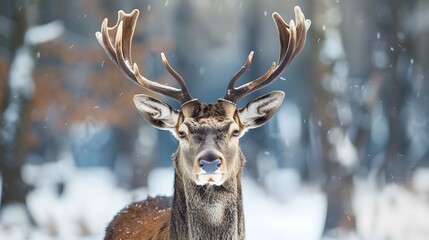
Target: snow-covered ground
(91, 198)
(394, 212)
(301, 216)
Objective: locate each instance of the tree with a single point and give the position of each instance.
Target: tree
(16, 111)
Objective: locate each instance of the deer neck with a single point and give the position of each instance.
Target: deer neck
(207, 212)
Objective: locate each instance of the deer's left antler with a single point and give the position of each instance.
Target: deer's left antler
(292, 39)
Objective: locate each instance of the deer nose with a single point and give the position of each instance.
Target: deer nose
(210, 166)
(210, 161)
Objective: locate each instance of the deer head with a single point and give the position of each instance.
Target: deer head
(207, 201)
(208, 134)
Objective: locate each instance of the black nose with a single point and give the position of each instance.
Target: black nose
(210, 166)
(209, 155)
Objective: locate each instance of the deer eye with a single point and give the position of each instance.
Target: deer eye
(181, 134)
(236, 133)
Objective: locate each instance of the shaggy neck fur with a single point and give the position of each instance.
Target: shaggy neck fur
(207, 212)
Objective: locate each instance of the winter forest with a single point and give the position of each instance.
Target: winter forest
(345, 157)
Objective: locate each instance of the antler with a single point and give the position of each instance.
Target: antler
(292, 39)
(116, 41)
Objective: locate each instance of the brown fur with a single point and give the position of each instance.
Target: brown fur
(147, 219)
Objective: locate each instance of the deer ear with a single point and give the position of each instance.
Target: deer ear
(257, 112)
(157, 113)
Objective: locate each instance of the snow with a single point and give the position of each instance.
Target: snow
(86, 206)
(44, 33)
(91, 198)
(160, 182)
(21, 86)
(291, 132)
(21, 79)
(300, 217)
(393, 212)
(14, 222)
(421, 181)
(89, 201)
(344, 151)
(282, 184)
(332, 47)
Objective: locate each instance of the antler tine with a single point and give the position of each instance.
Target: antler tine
(240, 72)
(116, 42)
(177, 76)
(292, 39)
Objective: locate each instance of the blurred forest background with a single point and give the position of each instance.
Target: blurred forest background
(354, 124)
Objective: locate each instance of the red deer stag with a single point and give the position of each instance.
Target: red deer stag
(207, 199)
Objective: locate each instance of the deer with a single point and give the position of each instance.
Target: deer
(207, 201)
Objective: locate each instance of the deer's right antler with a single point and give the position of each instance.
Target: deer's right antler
(117, 40)
(292, 39)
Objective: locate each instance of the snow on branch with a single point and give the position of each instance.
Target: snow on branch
(44, 33)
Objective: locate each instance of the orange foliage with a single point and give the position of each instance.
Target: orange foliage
(102, 93)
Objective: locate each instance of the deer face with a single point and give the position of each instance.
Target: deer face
(209, 134)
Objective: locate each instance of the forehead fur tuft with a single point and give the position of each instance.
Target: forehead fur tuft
(208, 111)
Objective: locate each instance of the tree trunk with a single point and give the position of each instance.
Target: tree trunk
(337, 182)
(17, 110)
(396, 86)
